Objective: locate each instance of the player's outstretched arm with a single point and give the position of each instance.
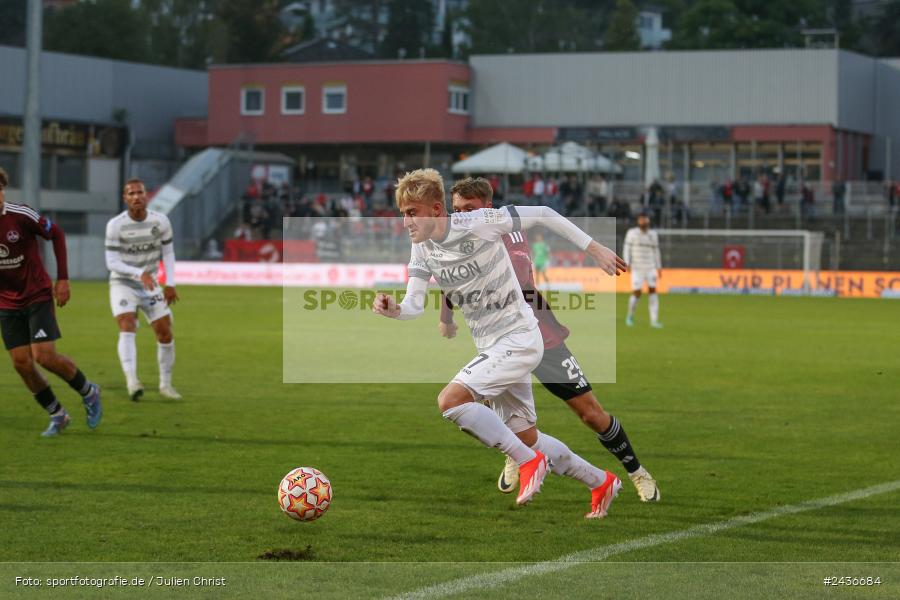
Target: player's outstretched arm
(54, 233)
(412, 306)
(531, 216)
(61, 288)
(168, 258)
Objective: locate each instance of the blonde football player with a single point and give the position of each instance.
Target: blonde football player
(466, 256)
(641, 252)
(136, 240)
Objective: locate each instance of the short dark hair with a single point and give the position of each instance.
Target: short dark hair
(474, 187)
(133, 180)
(4, 178)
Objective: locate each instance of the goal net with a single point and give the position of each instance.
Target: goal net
(794, 249)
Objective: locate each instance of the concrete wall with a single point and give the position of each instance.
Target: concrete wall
(656, 88)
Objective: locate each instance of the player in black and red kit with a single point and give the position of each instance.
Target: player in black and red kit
(27, 317)
(559, 371)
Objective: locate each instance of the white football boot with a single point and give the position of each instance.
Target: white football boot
(167, 391)
(645, 485)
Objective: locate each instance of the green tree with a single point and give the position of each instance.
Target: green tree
(253, 31)
(180, 31)
(446, 49)
(308, 32)
(364, 16)
(622, 32)
(885, 30)
(105, 28)
(499, 26)
(12, 22)
(409, 28)
(713, 24)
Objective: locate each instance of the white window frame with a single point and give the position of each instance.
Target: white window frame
(262, 100)
(330, 89)
(455, 95)
(287, 89)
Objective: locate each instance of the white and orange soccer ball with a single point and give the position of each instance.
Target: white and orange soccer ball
(304, 494)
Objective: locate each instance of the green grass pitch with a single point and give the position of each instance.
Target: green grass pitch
(740, 405)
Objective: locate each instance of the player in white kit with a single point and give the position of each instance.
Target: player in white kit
(136, 240)
(466, 256)
(641, 252)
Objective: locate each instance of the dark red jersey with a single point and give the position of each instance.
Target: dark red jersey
(23, 278)
(553, 332)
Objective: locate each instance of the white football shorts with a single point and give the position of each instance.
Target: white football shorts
(126, 299)
(501, 374)
(641, 276)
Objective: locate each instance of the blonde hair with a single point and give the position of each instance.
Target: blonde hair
(422, 186)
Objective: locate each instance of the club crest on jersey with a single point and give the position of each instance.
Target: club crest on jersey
(12, 236)
(467, 247)
(154, 231)
(4, 251)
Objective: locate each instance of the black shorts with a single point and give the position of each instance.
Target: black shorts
(560, 373)
(30, 325)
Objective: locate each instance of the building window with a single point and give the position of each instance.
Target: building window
(334, 99)
(458, 99)
(10, 163)
(63, 172)
(252, 101)
(71, 173)
(293, 100)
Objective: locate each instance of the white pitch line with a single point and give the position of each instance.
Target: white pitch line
(490, 580)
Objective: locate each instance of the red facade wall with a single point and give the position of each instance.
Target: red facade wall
(513, 135)
(387, 102)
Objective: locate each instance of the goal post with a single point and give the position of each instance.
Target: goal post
(781, 249)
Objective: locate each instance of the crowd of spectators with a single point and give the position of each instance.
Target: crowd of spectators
(264, 204)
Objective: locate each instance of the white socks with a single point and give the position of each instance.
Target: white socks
(165, 356)
(483, 424)
(632, 302)
(654, 307)
(128, 354)
(565, 462)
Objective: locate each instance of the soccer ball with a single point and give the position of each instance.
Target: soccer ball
(304, 494)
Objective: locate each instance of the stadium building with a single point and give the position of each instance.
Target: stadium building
(819, 115)
(102, 119)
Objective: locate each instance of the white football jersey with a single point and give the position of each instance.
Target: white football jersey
(472, 267)
(138, 243)
(641, 249)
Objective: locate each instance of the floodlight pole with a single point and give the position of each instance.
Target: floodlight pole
(31, 147)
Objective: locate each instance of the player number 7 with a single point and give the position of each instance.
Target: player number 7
(479, 359)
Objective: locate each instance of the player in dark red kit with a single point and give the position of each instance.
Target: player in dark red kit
(27, 317)
(559, 371)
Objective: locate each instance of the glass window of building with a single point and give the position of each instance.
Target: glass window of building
(334, 99)
(71, 173)
(293, 100)
(458, 97)
(252, 101)
(9, 161)
(710, 162)
(803, 160)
